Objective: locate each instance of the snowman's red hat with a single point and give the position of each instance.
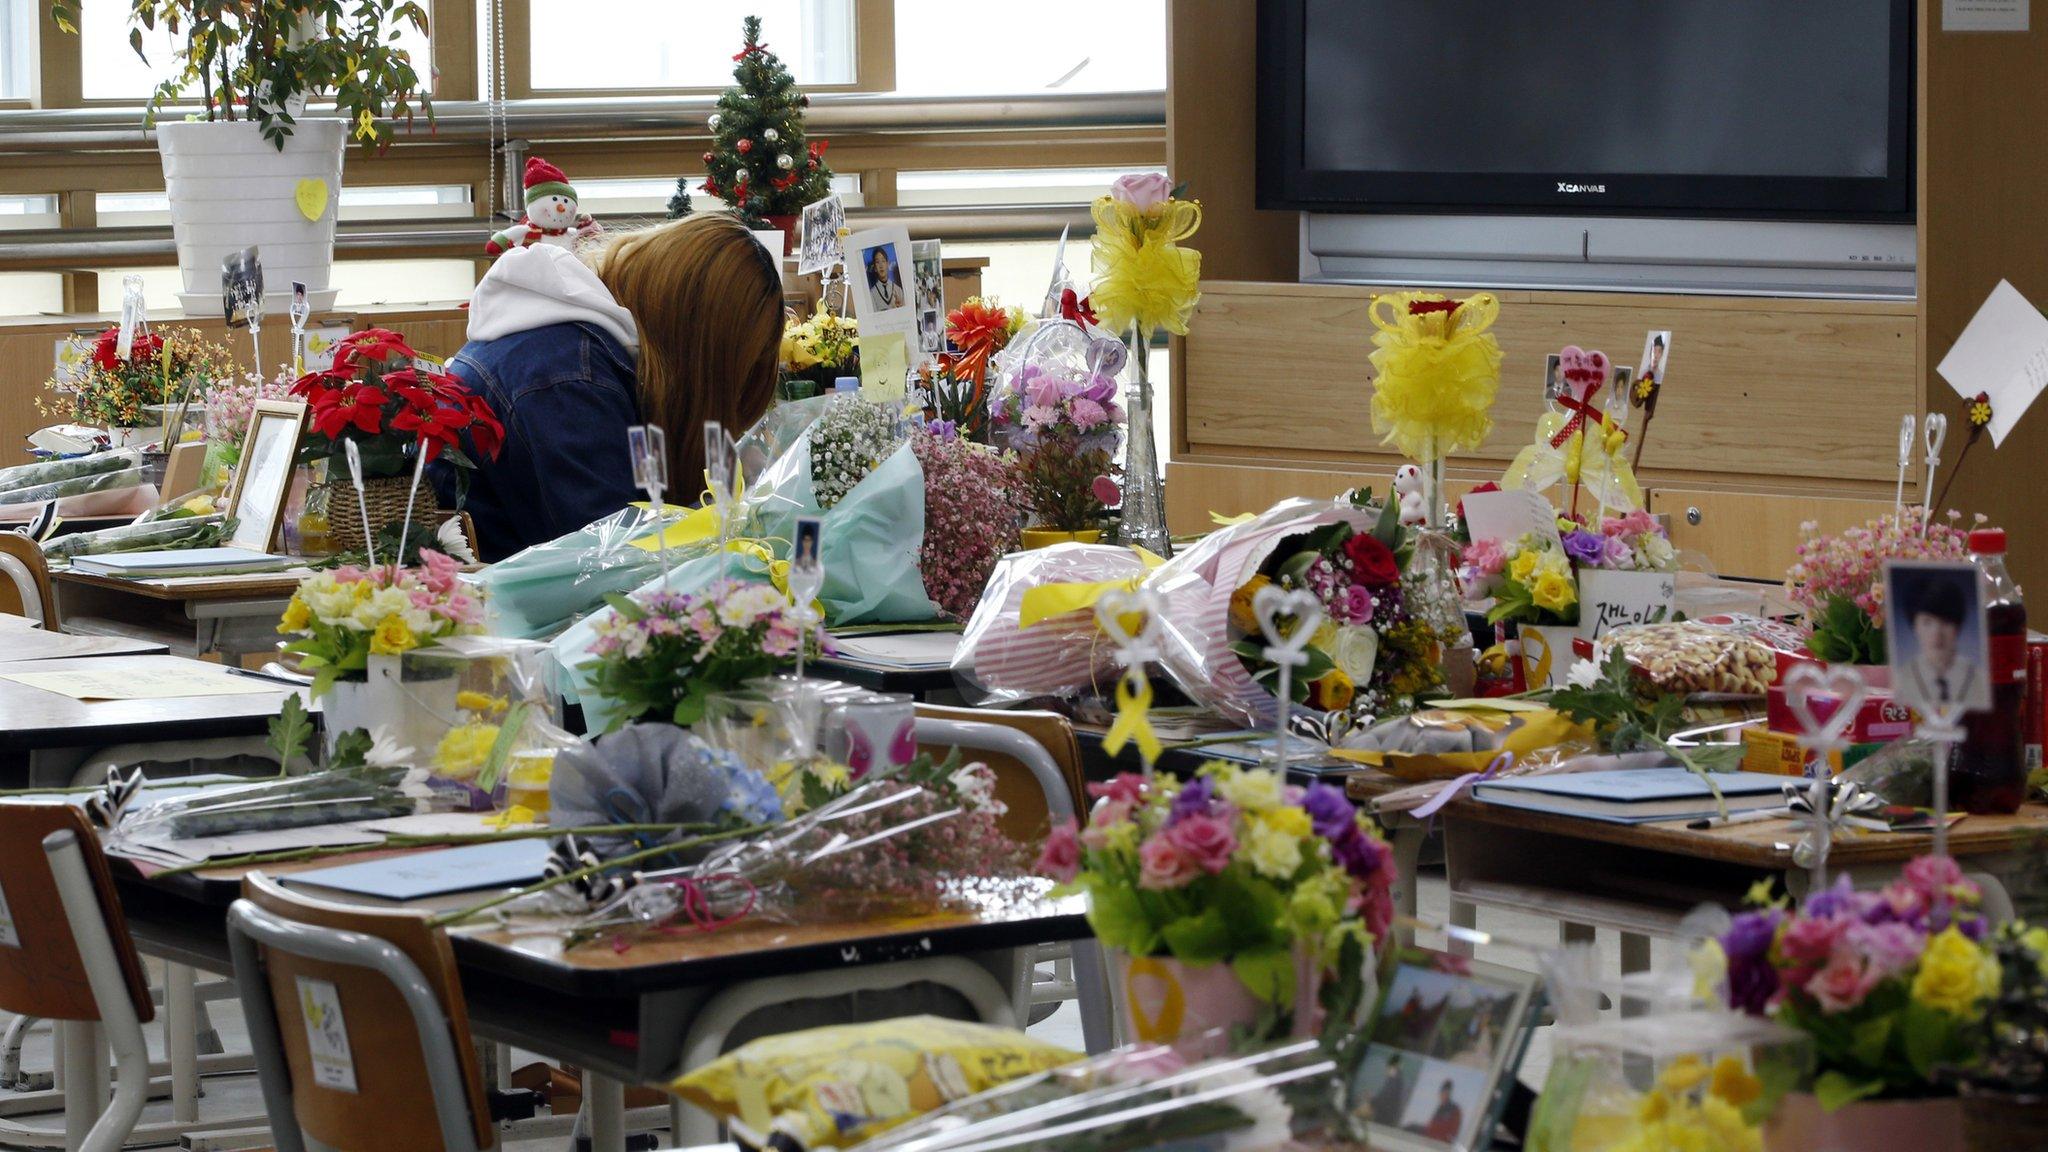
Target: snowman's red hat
(544, 179)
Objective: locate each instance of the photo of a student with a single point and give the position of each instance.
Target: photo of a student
(1936, 631)
(884, 278)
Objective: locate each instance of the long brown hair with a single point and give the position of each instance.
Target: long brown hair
(708, 300)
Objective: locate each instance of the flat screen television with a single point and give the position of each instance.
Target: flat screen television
(1739, 109)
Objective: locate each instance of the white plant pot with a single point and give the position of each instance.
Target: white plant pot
(415, 713)
(230, 189)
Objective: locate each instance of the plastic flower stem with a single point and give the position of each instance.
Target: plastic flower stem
(419, 467)
(1942, 499)
(402, 840)
(461, 914)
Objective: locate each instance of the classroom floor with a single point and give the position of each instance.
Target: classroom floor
(233, 1096)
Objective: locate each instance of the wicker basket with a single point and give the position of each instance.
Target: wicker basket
(384, 497)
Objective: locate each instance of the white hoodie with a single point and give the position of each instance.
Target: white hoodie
(534, 287)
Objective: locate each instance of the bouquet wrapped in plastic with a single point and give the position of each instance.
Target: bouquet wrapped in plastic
(1055, 406)
(484, 711)
(1034, 633)
(338, 795)
(148, 534)
(45, 480)
(1142, 1098)
(538, 592)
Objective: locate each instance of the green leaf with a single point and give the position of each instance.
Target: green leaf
(351, 749)
(1834, 1090)
(289, 732)
(1388, 530)
(1268, 976)
(501, 748)
(1203, 938)
(1117, 913)
(1869, 1039)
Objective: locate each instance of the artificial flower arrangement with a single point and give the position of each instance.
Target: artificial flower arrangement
(230, 404)
(955, 385)
(816, 351)
(1891, 985)
(849, 440)
(1631, 542)
(1373, 649)
(1058, 411)
(1530, 579)
(343, 616)
(659, 655)
(1838, 580)
(1144, 279)
(112, 391)
(971, 493)
(1232, 867)
(1436, 368)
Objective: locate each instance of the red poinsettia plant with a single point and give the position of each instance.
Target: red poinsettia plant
(380, 395)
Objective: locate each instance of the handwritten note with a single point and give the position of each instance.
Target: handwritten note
(2002, 353)
(884, 366)
(334, 1066)
(1610, 600)
(159, 682)
(1508, 515)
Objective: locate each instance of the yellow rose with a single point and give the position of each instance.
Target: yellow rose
(296, 616)
(1332, 692)
(1955, 974)
(391, 638)
(1683, 1074)
(1271, 852)
(1522, 567)
(463, 750)
(1241, 614)
(1288, 821)
(1553, 593)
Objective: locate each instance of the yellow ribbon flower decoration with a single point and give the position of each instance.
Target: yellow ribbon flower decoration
(1436, 371)
(1142, 274)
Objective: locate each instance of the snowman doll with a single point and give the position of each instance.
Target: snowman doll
(552, 214)
(1408, 487)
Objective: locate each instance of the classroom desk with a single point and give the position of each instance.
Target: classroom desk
(45, 736)
(18, 644)
(234, 616)
(620, 1015)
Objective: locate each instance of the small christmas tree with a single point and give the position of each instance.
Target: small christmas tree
(759, 160)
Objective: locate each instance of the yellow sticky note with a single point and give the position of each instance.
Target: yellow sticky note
(312, 198)
(884, 364)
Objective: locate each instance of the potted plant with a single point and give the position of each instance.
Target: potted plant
(118, 393)
(377, 397)
(251, 169)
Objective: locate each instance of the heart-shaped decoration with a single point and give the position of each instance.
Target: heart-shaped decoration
(1130, 618)
(311, 197)
(1272, 605)
(1848, 689)
(1155, 1000)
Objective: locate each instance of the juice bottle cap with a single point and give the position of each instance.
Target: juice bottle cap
(1987, 541)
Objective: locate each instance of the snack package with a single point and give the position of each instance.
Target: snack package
(834, 1087)
(482, 709)
(1693, 657)
(1034, 632)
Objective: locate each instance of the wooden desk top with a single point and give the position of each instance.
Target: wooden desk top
(32, 718)
(248, 586)
(533, 953)
(18, 644)
(1753, 845)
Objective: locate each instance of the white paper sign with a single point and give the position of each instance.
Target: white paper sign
(2004, 354)
(1508, 515)
(8, 937)
(878, 272)
(1984, 15)
(1610, 600)
(320, 342)
(326, 1035)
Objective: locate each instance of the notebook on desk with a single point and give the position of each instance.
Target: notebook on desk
(1636, 795)
(179, 562)
(417, 875)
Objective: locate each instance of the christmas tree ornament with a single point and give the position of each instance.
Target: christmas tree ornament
(715, 122)
(770, 135)
(745, 147)
(553, 214)
(785, 162)
(707, 157)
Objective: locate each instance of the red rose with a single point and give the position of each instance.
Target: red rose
(1372, 563)
(1425, 307)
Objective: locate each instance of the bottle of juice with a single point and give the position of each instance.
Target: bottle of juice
(1989, 774)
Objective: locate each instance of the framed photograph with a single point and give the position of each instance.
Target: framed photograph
(269, 451)
(881, 266)
(823, 246)
(929, 272)
(241, 287)
(1553, 384)
(1939, 646)
(1446, 1040)
(810, 530)
(1656, 354)
(879, 277)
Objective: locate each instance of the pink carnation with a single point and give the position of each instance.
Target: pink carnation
(1061, 856)
(1843, 983)
(1087, 414)
(1128, 787)
(1485, 558)
(1204, 840)
(1811, 939)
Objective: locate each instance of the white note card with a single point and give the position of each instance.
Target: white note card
(8, 937)
(326, 1035)
(1984, 15)
(2002, 353)
(1508, 515)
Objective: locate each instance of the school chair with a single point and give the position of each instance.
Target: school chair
(25, 588)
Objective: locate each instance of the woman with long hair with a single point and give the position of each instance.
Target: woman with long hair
(672, 325)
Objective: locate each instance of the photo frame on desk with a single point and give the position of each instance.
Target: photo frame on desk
(264, 478)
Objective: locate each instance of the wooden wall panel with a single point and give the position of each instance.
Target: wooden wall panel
(1211, 139)
(1280, 373)
(1754, 536)
(1195, 491)
(1984, 218)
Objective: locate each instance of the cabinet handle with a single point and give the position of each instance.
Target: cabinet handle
(1692, 516)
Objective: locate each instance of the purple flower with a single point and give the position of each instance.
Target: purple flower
(1360, 855)
(1196, 798)
(1583, 547)
(1834, 901)
(1329, 810)
(1752, 981)
(1101, 389)
(943, 429)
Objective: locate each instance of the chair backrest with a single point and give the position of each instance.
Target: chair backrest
(43, 974)
(400, 1046)
(1030, 798)
(25, 580)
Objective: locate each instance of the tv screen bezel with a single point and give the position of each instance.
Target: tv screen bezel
(1286, 183)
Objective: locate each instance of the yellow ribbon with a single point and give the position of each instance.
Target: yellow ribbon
(1133, 718)
(516, 814)
(1222, 521)
(1574, 457)
(1049, 600)
(1536, 665)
